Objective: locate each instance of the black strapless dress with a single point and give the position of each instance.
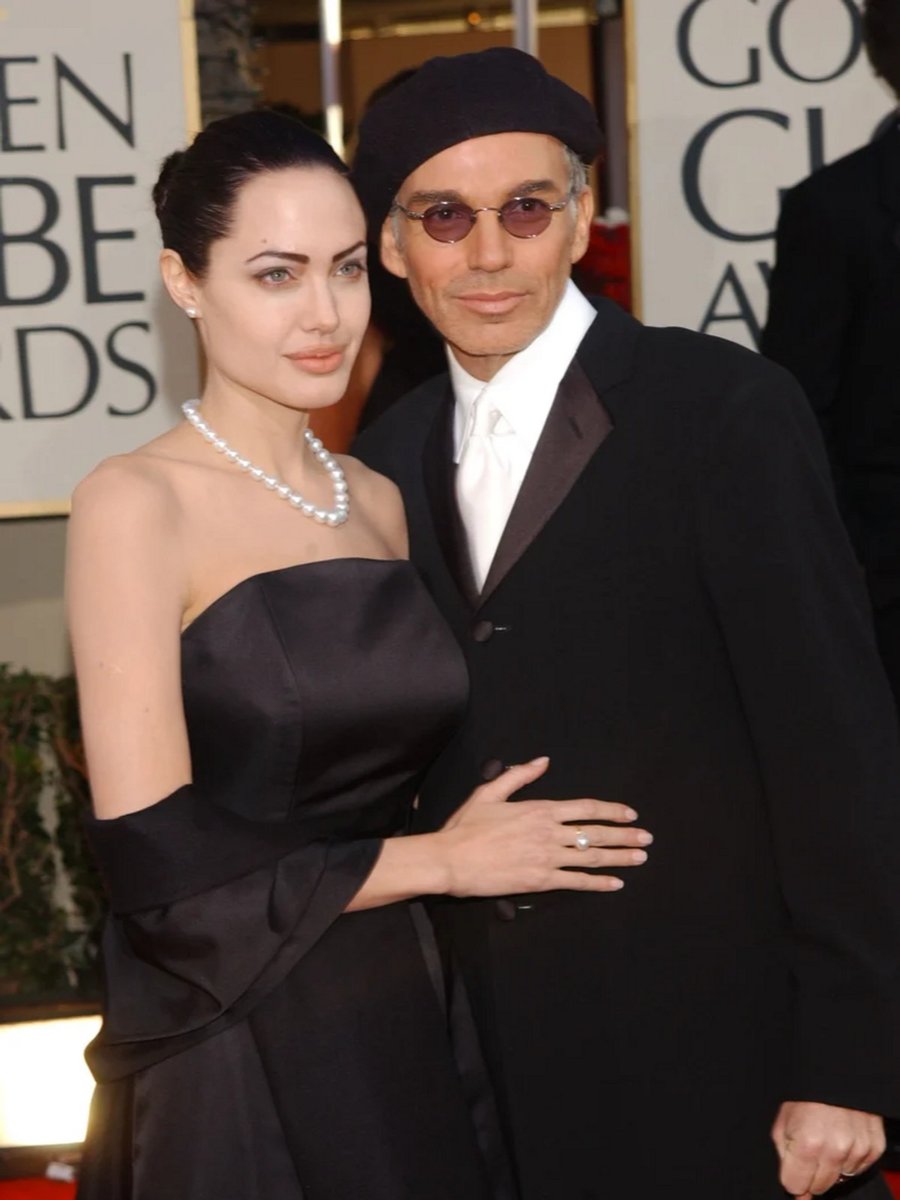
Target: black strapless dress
(259, 1043)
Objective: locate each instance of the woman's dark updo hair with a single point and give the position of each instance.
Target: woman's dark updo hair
(881, 31)
(198, 187)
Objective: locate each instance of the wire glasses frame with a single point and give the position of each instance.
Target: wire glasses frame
(451, 220)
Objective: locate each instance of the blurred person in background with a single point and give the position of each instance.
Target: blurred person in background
(834, 322)
(411, 350)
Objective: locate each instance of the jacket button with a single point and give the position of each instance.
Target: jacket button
(491, 768)
(483, 631)
(505, 910)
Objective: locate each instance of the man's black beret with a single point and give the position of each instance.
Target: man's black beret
(450, 100)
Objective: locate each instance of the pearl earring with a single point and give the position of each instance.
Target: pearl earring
(192, 313)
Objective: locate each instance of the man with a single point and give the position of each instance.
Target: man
(632, 534)
(834, 316)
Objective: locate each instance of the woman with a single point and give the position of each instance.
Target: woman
(262, 679)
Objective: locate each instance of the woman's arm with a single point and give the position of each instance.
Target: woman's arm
(125, 591)
(493, 848)
(378, 502)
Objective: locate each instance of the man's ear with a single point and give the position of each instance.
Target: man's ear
(180, 283)
(391, 254)
(584, 214)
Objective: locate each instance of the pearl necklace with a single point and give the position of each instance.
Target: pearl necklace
(333, 517)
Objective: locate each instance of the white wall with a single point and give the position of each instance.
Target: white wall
(93, 357)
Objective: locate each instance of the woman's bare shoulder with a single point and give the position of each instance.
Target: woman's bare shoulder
(360, 476)
(368, 485)
(141, 482)
(379, 498)
(126, 511)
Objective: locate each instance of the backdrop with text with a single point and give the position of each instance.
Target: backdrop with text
(93, 356)
(730, 103)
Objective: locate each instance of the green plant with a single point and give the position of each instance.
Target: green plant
(51, 905)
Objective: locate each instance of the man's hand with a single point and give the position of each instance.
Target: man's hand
(818, 1143)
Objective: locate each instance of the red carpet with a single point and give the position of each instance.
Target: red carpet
(37, 1189)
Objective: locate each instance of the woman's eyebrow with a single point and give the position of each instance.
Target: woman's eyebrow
(285, 254)
(290, 256)
(350, 249)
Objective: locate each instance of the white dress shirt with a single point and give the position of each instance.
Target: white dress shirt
(496, 425)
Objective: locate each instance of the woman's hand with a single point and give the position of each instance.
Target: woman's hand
(494, 848)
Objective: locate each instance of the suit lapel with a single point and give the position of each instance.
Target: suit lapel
(582, 416)
(576, 426)
(439, 477)
(584, 413)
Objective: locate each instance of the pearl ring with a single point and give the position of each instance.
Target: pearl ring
(582, 840)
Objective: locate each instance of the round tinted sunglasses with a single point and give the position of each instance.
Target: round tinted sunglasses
(451, 220)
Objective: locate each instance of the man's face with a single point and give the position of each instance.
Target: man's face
(490, 294)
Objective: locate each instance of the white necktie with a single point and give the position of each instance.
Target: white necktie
(485, 488)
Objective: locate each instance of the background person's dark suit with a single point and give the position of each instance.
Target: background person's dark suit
(675, 617)
(834, 322)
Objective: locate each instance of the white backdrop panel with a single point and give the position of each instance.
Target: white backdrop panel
(93, 357)
(732, 101)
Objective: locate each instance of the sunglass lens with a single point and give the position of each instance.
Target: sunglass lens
(526, 217)
(448, 222)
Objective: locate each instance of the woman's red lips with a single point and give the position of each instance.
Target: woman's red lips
(320, 360)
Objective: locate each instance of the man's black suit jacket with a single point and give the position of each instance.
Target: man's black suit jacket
(834, 322)
(675, 616)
